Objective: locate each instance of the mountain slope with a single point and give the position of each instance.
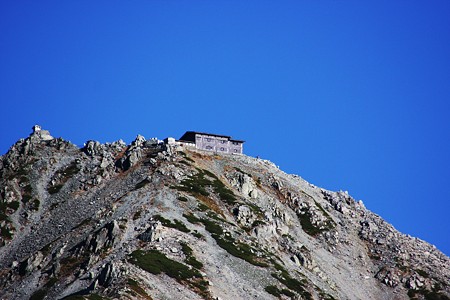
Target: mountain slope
(152, 221)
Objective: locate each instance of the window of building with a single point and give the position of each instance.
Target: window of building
(209, 147)
(235, 150)
(208, 139)
(223, 142)
(222, 149)
(235, 143)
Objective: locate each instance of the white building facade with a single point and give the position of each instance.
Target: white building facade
(213, 142)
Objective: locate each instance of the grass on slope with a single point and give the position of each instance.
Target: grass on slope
(177, 224)
(156, 263)
(306, 222)
(198, 185)
(226, 242)
(64, 175)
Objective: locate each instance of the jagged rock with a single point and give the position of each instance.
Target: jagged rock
(139, 141)
(152, 233)
(93, 148)
(388, 276)
(339, 200)
(132, 157)
(415, 282)
(151, 143)
(107, 275)
(304, 258)
(34, 262)
(244, 215)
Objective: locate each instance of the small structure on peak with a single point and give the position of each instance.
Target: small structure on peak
(41, 134)
(212, 142)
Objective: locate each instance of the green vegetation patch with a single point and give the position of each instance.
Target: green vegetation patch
(4, 206)
(192, 219)
(182, 199)
(3, 217)
(429, 295)
(70, 264)
(233, 247)
(39, 294)
(197, 235)
(226, 242)
(181, 153)
(86, 297)
(258, 222)
(177, 224)
(26, 198)
(156, 263)
(190, 258)
(292, 283)
(5, 233)
(141, 184)
(54, 189)
(137, 215)
(82, 223)
(238, 249)
(96, 297)
(134, 285)
(35, 204)
(5, 209)
(306, 222)
(65, 175)
(195, 184)
(184, 155)
(202, 207)
(255, 209)
(422, 273)
(14, 205)
(189, 159)
(240, 171)
(326, 296)
(320, 207)
(211, 214)
(273, 290)
(198, 184)
(185, 162)
(46, 249)
(51, 282)
(212, 227)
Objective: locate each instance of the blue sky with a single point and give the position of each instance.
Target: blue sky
(350, 95)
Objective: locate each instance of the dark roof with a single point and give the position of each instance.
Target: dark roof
(190, 136)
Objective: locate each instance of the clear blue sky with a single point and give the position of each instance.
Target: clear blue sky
(350, 95)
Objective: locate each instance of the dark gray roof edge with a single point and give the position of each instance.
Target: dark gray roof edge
(184, 141)
(211, 134)
(206, 133)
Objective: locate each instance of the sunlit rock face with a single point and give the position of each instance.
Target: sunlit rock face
(152, 220)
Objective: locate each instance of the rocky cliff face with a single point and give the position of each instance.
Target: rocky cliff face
(150, 221)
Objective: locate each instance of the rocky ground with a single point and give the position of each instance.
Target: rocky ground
(154, 221)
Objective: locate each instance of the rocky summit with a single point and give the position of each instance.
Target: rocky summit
(164, 221)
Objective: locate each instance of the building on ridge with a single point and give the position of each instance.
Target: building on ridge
(212, 142)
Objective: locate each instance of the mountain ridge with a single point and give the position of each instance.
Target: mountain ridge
(156, 221)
